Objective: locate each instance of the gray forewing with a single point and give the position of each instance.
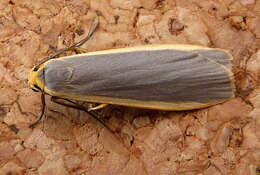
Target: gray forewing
(218, 56)
(160, 75)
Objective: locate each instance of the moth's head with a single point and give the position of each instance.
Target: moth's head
(35, 80)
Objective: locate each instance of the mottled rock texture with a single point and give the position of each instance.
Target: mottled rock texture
(223, 139)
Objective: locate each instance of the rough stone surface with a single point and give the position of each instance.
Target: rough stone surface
(31, 159)
(222, 139)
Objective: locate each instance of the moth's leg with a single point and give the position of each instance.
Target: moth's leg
(100, 106)
(71, 103)
(80, 107)
(78, 50)
(76, 105)
(81, 50)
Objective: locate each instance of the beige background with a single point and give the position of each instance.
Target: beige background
(223, 139)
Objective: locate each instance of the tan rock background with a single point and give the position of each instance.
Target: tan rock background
(223, 139)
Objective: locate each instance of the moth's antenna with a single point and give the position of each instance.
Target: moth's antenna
(43, 110)
(90, 33)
